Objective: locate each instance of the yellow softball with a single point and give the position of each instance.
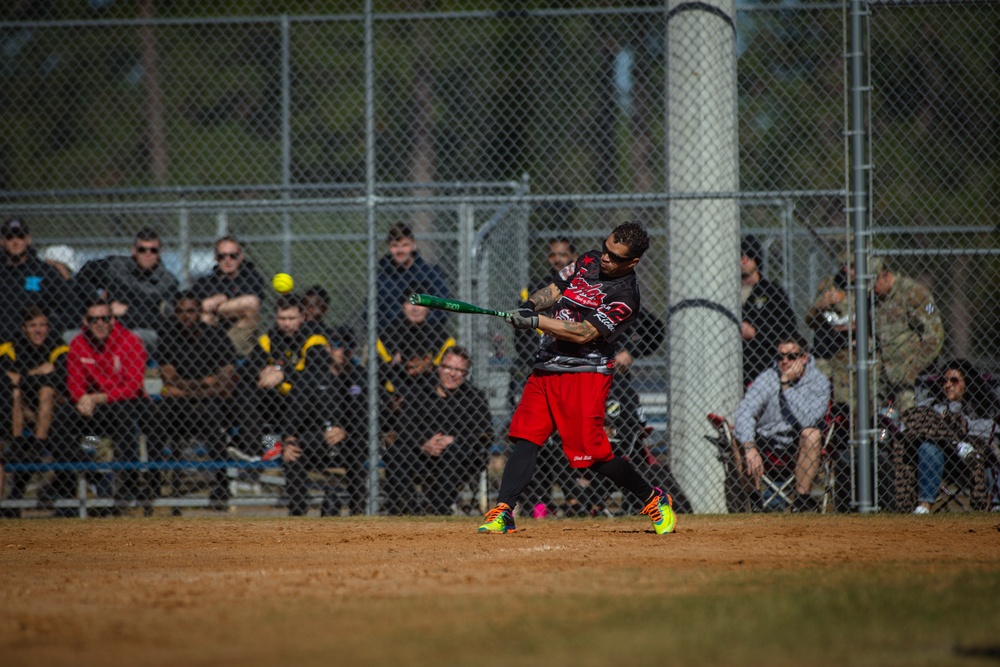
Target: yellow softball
(282, 283)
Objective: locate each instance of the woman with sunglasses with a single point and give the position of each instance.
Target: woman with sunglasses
(962, 390)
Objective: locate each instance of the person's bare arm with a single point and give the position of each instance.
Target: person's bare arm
(546, 297)
(575, 332)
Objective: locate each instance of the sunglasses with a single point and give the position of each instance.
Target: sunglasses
(147, 250)
(951, 380)
(15, 235)
(787, 357)
(617, 259)
(226, 255)
(100, 318)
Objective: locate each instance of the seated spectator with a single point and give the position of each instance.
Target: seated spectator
(783, 412)
(962, 399)
(446, 429)
(33, 385)
(104, 377)
(293, 354)
(26, 281)
(232, 293)
(138, 287)
(327, 425)
(411, 345)
(198, 369)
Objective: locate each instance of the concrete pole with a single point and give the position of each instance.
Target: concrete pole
(702, 156)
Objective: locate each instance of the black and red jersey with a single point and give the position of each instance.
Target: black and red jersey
(609, 304)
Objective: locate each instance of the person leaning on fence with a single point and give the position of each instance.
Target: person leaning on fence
(593, 305)
(293, 354)
(198, 368)
(138, 286)
(951, 429)
(783, 412)
(446, 430)
(232, 293)
(327, 425)
(401, 268)
(33, 384)
(26, 280)
(105, 369)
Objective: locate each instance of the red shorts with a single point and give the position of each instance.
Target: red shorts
(573, 403)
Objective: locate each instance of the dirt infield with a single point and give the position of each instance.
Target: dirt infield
(249, 591)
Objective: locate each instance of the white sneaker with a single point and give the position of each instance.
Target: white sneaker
(920, 509)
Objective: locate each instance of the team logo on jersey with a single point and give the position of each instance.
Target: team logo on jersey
(584, 293)
(612, 314)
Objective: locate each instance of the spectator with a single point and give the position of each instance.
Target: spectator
(26, 281)
(315, 305)
(291, 355)
(767, 312)
(831, 317)
(104, 378)
(231, 294)
(412, 345)
(783, 410)
(908, 333)
(446, 432)
(138, 287)
(198, 369)
(401, 268)
(33, 385)
(328, 425)
(962, 397)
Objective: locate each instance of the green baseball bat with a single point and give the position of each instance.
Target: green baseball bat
(453, 305)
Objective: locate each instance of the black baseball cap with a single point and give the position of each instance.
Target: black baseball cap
(751, 248)
(12, 228)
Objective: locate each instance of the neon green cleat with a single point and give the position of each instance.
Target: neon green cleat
(500, 519)
(661, 510)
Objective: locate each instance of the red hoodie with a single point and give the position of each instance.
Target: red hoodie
(117, 368)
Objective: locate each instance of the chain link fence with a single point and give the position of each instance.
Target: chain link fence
(487, 133)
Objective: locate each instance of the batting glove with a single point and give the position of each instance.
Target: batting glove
(526, 309)
(519, 321)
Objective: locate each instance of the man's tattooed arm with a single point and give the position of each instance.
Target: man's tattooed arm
(546, 297)
(575, 332)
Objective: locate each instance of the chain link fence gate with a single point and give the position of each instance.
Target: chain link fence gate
(198, 121)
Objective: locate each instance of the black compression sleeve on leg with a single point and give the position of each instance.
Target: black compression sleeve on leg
(624, 474)
(518, 472)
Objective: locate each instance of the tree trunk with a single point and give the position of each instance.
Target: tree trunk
(155, 136)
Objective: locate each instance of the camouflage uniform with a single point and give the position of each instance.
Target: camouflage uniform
(909, 336)
(835, 361)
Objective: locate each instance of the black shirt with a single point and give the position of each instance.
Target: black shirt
(195, 357)
(609, 304)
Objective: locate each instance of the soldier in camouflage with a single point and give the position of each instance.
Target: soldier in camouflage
(908, 330)
(909, 334)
